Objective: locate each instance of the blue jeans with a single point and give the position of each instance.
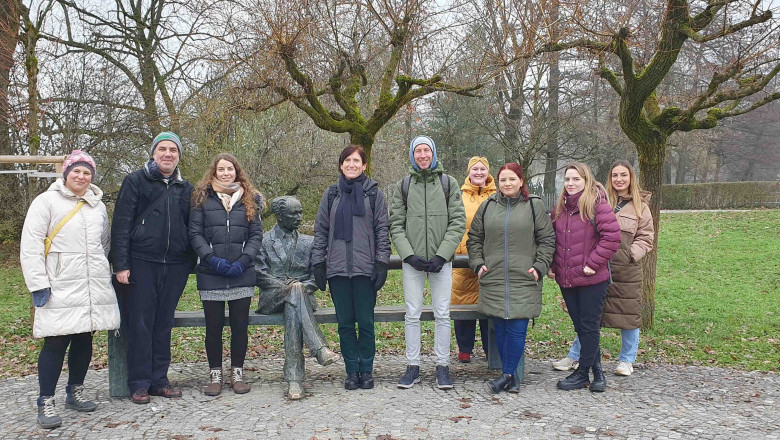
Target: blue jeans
(510, 338)
(627, 350)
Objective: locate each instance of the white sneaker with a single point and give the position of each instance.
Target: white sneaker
(624, 369)
(565, 364)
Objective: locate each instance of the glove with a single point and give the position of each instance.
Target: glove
(435, 264)
(235, 270)
(319, 276)
(41, 297)
(416, 262)
(380, 275)
(219, 265)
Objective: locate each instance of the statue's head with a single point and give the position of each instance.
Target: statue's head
(288, 212)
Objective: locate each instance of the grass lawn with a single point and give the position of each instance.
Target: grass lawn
(717, 303)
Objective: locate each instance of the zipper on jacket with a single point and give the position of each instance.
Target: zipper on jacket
(349, 259)
(86, 254)
(506, 259)
(168, 206)
(425, 210)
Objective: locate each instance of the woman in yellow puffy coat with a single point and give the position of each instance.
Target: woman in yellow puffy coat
(478, 186)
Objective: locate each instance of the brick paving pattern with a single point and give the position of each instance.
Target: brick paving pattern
(662, 402)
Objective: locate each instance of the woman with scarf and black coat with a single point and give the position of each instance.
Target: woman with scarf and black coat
(351, 252)
(226, 232)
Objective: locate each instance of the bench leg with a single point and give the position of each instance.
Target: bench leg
(117, 364)
(494, 360)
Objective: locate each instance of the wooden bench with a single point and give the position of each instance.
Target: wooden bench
(117, 345)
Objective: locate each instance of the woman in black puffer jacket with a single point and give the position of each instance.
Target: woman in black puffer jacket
(226, 232)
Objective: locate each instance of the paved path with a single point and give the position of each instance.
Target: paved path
(656, 402)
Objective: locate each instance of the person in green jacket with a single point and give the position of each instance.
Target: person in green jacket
(511, 244)
(427, 221)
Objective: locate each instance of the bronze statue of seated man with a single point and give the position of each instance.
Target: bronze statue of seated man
(286, 284)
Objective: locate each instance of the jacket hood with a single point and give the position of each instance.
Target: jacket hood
(91, 196)
(490, 185)
(428, 174)
(644, 195)
(176, 176)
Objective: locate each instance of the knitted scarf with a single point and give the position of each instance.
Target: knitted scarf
(351, 204)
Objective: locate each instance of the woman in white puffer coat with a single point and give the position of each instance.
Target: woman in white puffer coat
(71, 283)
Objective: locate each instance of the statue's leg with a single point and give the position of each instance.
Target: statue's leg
(312, 335)
(293, 346)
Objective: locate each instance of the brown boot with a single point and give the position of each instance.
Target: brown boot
(215, 387)
(239, 386)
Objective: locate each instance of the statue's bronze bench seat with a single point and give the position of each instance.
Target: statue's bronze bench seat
(117, 346)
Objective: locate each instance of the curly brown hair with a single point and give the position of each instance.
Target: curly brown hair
(200, 192)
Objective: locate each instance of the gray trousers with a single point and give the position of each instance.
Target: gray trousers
(300, 327)
(441, 290)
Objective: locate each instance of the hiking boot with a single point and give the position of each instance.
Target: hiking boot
(325, 356)
(574, 381)
(294, 391)
(624, 369)
(47, 414)
(239, 386)
(498, 384)
(214, 388)
(411, 377)
(366, 380)
(168, 391)
(75, 399)
(599, 383)
(352, 382)
(464, 357)
(140, 397)
(565, 364)
(443, 380)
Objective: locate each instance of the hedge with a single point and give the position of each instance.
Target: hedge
(721, 195)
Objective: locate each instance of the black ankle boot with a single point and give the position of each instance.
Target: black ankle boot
(499, 383)
(575, 381)
(514, 385)
(352, 382)
(599, 383)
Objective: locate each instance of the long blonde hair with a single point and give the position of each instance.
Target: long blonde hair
(590, 194)
(200, 192)
(633, 187)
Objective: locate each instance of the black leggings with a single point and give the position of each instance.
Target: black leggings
(215, 321)
(53, 354)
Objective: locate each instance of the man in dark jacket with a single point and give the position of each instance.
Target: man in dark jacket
(151, 253)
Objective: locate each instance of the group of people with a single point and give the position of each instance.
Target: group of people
(163, 228)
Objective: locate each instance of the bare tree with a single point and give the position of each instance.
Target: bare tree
(340, 61)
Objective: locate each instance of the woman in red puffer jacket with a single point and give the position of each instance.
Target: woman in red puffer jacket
(587, 236)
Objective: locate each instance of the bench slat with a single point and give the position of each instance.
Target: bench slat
(327, 315)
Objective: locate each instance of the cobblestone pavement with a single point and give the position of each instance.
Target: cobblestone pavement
(656, 402)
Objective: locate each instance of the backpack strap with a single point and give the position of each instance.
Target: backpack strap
(405, 190)
(63, 222)
(487, 203)
(445, 186)
(533, 215)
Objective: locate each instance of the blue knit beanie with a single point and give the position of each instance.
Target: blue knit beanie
(423, 140)
(165, 136)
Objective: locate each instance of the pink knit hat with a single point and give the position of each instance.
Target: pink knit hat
(77, 158)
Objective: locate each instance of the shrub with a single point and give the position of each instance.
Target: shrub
(721, 195)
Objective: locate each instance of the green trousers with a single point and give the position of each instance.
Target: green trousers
(354, 299)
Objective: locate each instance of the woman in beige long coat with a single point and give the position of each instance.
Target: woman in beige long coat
(623, 305)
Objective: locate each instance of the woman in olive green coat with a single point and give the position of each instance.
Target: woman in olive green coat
(511, 244)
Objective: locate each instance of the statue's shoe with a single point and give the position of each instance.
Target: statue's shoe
(325, 356)
(295, 391)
